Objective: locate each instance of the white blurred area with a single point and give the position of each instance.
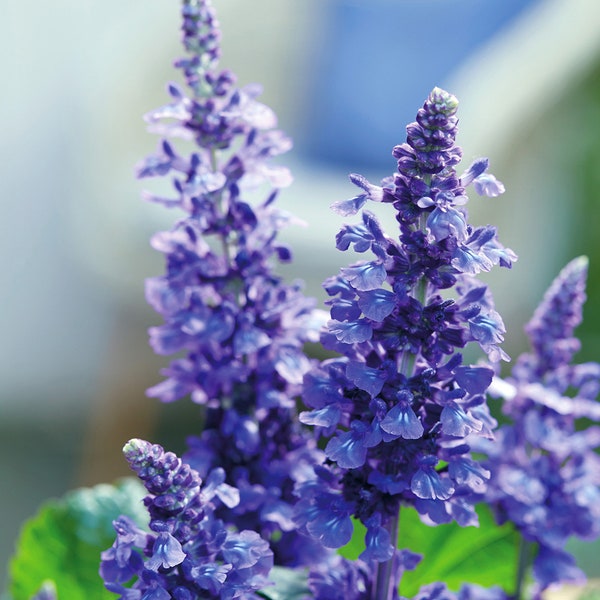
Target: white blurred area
(77, 75)
(77, 78)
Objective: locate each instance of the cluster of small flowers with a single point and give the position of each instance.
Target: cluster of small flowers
(190, 553)
(545, 473)
(342, 579)
(242, 329)
(399, 400)
(397, 413)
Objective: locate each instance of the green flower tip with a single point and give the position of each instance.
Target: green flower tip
(134, 449)
(444, 101)
(580, 263)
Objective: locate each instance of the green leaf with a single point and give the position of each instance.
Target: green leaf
(486, 555)
(356, 545)
(290, 584)
(63, 542)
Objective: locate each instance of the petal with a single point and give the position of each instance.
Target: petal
(487, 328)
(474, 380)
(468, 261)
(553, 566)
(427, 484)
(365, 276)
(165, 297)
(402, 421)
(352, 332)
(446, 223)
(358, 235)
(467, 472)
(347, 449)
(327, 416)
(291, 364)
(378, 545)
(210, 576)
(248, 340)
(344, 309)
(366, 378)
(245, 549)
(377, 304)
(166, 553)
(487, 185)
(346, 208)
(166, 339)
(477, 168)
(456, 422)
(332, 526)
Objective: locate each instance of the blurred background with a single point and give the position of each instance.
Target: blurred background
(344, 76)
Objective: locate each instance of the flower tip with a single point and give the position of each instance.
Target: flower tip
(445, 100)
(134, 447)
(579, 264)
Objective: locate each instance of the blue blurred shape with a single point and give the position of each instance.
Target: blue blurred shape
(378, 61)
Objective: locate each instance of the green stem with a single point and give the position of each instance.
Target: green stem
(421, 290)
(524, 554)
(213, 160)
(224, 242)
(384, 580)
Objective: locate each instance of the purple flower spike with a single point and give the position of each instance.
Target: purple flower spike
(545, 472)
(189, 550)
(556, 318)
(240, 328)
(399, 401)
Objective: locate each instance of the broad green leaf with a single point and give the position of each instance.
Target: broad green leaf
(486, 555)
(290, 584)
(356, 545)
(63, 542)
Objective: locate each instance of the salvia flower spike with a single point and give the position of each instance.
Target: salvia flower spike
(399, 405)
(189, 553)
(240, 328)
(545, 471)
(398, 414)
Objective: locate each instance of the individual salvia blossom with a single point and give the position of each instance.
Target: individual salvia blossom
(545, 473)
(240, 329)
(189, 553)
(398, 405)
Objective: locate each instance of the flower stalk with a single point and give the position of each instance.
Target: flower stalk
(240, 327)
(399, 400)
(386, 583)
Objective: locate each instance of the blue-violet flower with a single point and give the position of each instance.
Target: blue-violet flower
(189, 553)
(399, 404)
(240, 329)
(545, 472)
